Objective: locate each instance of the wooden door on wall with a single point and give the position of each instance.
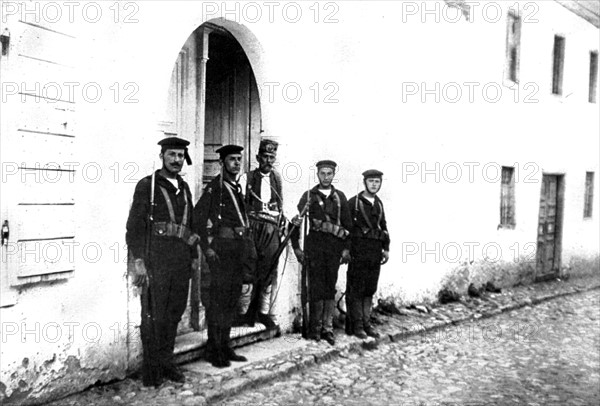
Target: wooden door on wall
(549, 224)
(232, 102)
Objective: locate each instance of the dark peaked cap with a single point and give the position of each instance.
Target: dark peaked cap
(372, 173)
(176, 143)
(327, 163)
(228, 150)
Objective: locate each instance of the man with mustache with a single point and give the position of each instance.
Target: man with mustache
(162, 254)
(327, 245)
(222, 224)
(263, 193)
(370, 249)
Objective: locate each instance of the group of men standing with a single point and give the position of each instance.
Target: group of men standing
(238, 224)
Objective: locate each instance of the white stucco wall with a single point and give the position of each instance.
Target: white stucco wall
(365, 61)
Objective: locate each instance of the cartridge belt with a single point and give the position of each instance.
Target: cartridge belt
(170, 229)
(232, 233)
(262, 216)
(329, 228)
(370, 234)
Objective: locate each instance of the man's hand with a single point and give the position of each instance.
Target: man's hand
(196, 264)
(296, 220)
(140, 278)
(211, 255)
(385, 257)
(346, 256)
(300, 255)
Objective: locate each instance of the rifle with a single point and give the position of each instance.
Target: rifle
(305, 293)
(148, 298)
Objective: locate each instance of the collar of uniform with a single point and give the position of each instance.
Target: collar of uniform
(365, 200)
(315, 189)
(166, 183)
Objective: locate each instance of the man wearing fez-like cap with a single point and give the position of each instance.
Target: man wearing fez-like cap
(228, 250)
(326, 245)
(264, 200)
(162, 254)
(370, 249)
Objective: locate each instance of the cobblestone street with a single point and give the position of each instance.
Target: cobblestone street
(542, 355)
(545, 354)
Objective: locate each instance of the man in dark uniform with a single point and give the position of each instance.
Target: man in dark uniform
(227, 248)
(326, 246)
(370, 249)
(162, 254)
(264, 200)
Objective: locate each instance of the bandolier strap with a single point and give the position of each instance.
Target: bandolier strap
(372, 232)
(171, 228)
(328, 226)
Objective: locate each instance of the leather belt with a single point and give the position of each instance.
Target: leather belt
(170, 229)
(329, 228)
(262, 216)
(232, 233)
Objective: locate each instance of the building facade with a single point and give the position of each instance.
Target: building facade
(483, 117)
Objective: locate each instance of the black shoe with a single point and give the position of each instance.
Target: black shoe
(371, 332)
(174, 374)
(329, 337)
(218, 360)
(151, 376)
(360, 333)
(232, 356)
(266, 320)
(314, 336)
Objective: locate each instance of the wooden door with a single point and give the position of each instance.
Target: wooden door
(548, 242)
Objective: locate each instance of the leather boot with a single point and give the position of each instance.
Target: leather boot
(367, 302)
(328, 309)
(356, 315)
(348, 322)
(316, 320)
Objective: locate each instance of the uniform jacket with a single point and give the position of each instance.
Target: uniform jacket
(329, 208)
(375, 214)
(216, 206)
(162, 249)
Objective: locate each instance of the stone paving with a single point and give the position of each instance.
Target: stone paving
(542, 355)
(403, 359)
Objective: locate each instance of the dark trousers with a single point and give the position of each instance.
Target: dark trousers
(266, 241)
(226, 277)
(324, 253)
(363, 271)
(163, 304)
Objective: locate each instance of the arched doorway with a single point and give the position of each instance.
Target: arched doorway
(213, 100)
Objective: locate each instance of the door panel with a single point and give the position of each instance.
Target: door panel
(548, 225)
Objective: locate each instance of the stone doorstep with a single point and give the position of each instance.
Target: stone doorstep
(190, 347)
(305, 356)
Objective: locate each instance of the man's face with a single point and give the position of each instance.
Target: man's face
(325, 175)
(173, 160)
(266, 161)
(232, 164)
(373, 185)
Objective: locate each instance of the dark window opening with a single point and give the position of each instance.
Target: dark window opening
(558, 64)
(589, 195)
(593, 77)
(507, 198)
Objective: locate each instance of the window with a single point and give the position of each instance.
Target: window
(593, 77)
(589, 195)
(558, 64)
(507, 198)
(513, 46)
